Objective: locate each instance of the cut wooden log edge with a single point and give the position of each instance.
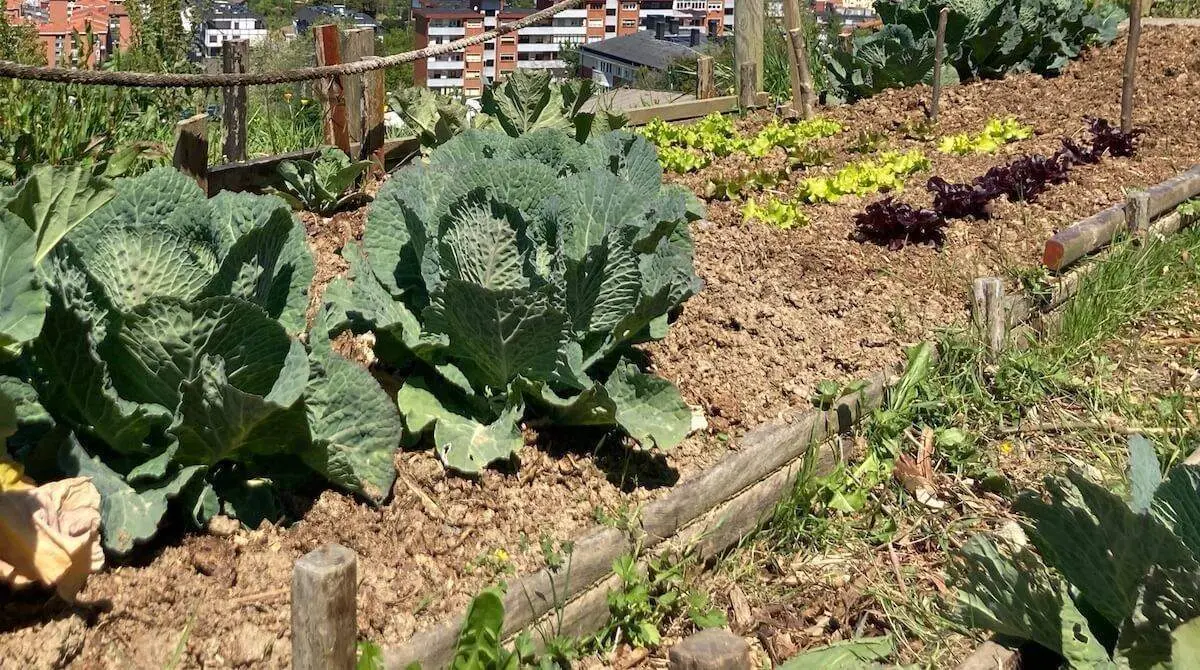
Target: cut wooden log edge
(1099, 230)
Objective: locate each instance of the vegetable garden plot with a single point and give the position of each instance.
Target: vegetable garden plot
(781, 312)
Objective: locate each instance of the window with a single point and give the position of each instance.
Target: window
(475, 24)
(610, 29)
(472, 75)
(595, 23)
(627, 23)
(506, 58)
(610, 12)
(474, 58)
(509, 39)
(629, 6)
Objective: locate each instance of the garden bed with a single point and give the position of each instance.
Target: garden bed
(781, 311)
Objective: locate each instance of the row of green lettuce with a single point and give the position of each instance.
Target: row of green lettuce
(161, 342)
(984, 39)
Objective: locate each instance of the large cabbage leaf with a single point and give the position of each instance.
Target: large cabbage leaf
(170, 361)
(1110, 580)
(514, 274)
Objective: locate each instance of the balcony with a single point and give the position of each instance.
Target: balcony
(538, 48)
(448, 31)
(444, 83)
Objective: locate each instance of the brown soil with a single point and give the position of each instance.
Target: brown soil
(780, 312)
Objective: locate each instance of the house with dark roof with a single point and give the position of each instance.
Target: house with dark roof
(617, 61)
(316, 15)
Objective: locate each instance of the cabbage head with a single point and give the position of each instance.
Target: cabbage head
(512, 276)
(169, 366)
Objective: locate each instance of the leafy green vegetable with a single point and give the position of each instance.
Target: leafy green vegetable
(781, 214)
(515, 274)
(529, 100)
(323, 185)
(895, 56)
(846, 655)
(687, 147)
(995, 134)
(170, 365)
(34, 218)
(479, 642)
(434, 119)
(884, 173)
(1110, 580)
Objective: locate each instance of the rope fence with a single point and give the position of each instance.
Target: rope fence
(168, 80)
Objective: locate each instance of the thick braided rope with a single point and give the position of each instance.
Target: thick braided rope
(161, 80)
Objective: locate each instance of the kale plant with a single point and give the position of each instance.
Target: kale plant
(168, 366)
(323, 185)
(1112, 583)
(513, 275)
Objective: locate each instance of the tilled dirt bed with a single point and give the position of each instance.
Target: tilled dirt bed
(781, 311)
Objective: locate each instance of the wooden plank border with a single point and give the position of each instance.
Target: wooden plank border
(259, 173)
(1099, 230)
(692, 109)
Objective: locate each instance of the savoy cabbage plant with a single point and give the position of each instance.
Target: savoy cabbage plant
(169, 367)
(1112, 584)
(984, 38)
(512, 276)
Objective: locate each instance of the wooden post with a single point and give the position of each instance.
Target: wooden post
(987, 295)
(374, 106)
(1137, 211)
(333, 101)
(191, 149)
(706, 86)
(802, 85)
(358, 43)
(747, 91)
(939, 45)
(234, 55)
(748, 39)
(1128, 76)
(324, 624)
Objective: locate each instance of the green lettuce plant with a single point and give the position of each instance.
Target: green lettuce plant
(529, 100)
(1102, 581)
(323, 185)
(168, 367)
(511, 276)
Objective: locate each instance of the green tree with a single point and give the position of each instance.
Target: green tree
(394, 41)
(160, 44)
(20, 43)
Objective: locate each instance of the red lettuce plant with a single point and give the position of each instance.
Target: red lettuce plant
(893, 224)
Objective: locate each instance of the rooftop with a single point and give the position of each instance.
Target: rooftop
(641, 49)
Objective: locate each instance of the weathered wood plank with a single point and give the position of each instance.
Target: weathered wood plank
(324, 621)
(259, 173)
(191, 149)
(939, 45)
(691, 109)
(1173, 192)
(357, 44)
(706, 85)
(1082, 238)
(234, 55)
(330, 91)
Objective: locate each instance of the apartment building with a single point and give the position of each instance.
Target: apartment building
(63, 26)
(467, 72)
(212, 24)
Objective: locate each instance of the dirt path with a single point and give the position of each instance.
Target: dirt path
(781, 311)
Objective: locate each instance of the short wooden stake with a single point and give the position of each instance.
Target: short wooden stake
(706, 86)
(747, 91)
(1130, 71)
(987, 294)
(333, 100)
(324, 625)
(191, 149)
(234, 55)
(358, 43)
(1137, 211)
(939, 46)
(711, 649)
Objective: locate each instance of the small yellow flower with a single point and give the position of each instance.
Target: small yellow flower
(1006, 448)
(304, 101)
(501, 556)
(287, 96)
